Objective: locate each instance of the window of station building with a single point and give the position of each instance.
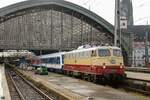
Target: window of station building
(136, 51)
(136, 58)
(142, 57)
(139, 57)
(140, 51)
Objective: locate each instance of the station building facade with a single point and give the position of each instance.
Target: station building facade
(138, 54)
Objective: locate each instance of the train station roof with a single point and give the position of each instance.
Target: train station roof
(60, 3)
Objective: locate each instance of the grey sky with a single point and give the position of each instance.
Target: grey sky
(105, 8)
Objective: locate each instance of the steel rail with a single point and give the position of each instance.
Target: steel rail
(38, 90)
(46, 97)
(19, 92)
(137, 85)
(148, 81)
(13, 92)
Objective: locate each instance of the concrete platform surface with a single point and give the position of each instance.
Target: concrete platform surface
(4, 91)
(84, 88)
(138, 75)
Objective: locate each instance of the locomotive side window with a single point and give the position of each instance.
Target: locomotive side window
(69, 56)
(66, 56)
(117, 52)
(93, 53)
(73, 55)
(86, 54)
(104, 52)
(89, 53)
(83, 54)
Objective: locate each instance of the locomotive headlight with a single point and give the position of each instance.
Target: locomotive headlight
(104, 66)
(121, 66)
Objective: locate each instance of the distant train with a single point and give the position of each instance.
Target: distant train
(53, 62)
(93, 63)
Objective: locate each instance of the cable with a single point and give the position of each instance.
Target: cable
(145, 3)
(85, 3)
(140, 19)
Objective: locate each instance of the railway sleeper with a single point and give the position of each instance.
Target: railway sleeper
(137, 86)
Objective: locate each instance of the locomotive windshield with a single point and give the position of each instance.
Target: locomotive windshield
(104, 52)
(117, 52)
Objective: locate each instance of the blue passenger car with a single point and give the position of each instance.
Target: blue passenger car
(53, 61)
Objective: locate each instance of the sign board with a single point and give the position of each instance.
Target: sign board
(123, 23)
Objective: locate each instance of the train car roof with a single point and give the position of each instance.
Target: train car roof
(93, 48)
(52, 55)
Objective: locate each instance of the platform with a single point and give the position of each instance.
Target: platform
(138, 69)
(138, 75)
(4, 91)
(84, 89)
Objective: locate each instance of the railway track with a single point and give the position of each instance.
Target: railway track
(137, 85)
(21, 89)
(130, 84)
(13, 92)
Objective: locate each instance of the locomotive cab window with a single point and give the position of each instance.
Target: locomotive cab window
(117, 52)
(104, 52)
